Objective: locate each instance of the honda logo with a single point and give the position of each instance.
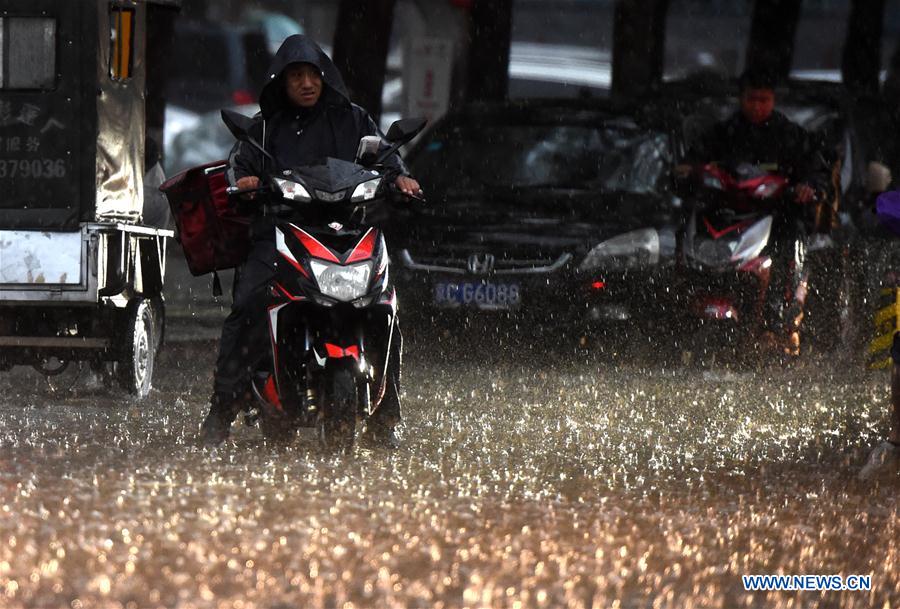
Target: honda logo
(481, 264)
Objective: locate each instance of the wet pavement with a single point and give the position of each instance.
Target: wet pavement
(525, 479)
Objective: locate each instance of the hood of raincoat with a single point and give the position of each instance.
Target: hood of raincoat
(300, 49)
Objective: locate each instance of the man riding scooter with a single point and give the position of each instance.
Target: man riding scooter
(306, 115)
(759, 135)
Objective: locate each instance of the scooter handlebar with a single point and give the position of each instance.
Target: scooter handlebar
(398, 195)
(234, 191)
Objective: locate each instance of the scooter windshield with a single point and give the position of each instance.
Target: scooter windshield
(749, 171)
(332, 177)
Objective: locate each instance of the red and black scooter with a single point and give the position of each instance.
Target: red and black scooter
(332, 310)
(728, 244)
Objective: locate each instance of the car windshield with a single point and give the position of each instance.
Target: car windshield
(610, 157)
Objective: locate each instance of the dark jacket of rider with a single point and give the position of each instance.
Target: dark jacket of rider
(297, 136)
(777, 141)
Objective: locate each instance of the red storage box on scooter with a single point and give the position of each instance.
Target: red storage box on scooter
(213, 234)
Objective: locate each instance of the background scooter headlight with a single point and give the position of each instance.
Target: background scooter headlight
(753, 241)
(293, 190)
(344, 283)
(765, 191)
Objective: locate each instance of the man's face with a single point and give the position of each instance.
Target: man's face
(303, 84)
(757, 105)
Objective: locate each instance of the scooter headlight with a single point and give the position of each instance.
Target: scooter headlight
(365, 191)
(765, 190)
(753, 241)
(293, 191)
(343, 283)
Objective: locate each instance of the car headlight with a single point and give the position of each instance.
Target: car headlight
(344, 283)
(293, 190)
(629, 250)
(365, 191)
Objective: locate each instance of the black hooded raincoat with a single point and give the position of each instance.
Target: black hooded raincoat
(294, 136)
(304, 136)
(777, 141)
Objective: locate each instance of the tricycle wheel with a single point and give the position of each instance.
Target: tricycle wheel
(51, 366)
(159, 322)
(135, 364)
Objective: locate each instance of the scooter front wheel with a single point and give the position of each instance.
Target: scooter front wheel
(336, 425)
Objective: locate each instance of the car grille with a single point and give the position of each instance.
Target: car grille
(480, 266)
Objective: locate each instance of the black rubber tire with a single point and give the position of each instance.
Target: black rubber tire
(159, 319)
(336, 426)
(134, 366)
(709, 344)
(46, 371)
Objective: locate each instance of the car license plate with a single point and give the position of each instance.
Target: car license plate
(481, 294)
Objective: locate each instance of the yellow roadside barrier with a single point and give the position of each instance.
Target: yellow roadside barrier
(885, 322)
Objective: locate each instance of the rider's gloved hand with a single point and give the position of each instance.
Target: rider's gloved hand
(804, 193)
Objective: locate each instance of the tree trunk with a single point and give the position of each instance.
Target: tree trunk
(772, 34)
(862, 48)
(639, 41)
(488, 62)
(361, 41)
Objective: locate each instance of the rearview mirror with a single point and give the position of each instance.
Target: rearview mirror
(405, 129)
(240, 126)
(401, 132)
(367, 153)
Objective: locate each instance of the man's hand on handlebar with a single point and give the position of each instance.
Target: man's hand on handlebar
(408, 186)
(248, 183)
(804, 193)
(683, 171)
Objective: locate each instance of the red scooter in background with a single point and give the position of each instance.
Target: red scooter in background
(727, 253)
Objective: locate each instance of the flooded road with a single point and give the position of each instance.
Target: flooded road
(578, 481)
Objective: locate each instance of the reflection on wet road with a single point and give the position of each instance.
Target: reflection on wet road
(582, 483)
